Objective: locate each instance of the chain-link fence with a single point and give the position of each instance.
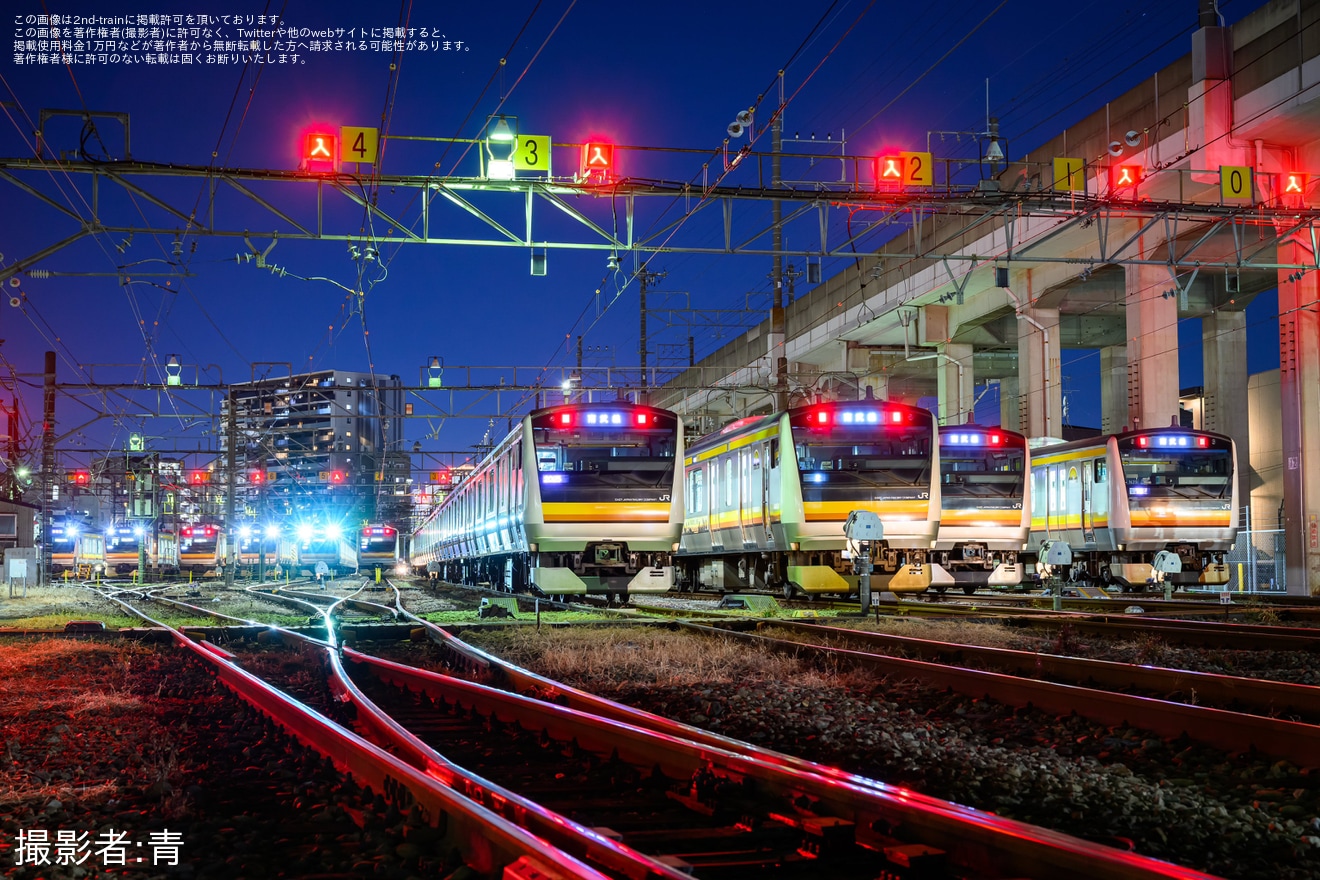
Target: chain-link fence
(1256, 563)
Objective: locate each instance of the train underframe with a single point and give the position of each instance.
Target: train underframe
(606, 568)
(1133, 571)
(972, 565)
(809, 573)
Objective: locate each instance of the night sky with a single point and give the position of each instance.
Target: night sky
(657, 75)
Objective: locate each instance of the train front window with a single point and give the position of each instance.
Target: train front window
(897, 460)
(1151, 473)
(982, 473)
(592, 458)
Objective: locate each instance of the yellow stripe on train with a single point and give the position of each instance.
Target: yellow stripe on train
(606, 511)
(816, 511)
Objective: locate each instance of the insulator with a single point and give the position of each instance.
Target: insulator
(39, 273)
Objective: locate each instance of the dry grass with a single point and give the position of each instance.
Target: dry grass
(635, 656)
(16, 792)
(963, 632)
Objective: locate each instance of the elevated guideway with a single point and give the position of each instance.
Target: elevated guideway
(1185, 197)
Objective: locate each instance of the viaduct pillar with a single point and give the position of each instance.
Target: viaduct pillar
(954, 379)
(1299, 390)
(1113, 389)
(1224, 353)
(1152, 347)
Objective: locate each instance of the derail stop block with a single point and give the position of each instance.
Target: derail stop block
(498, 606)
(753, 603)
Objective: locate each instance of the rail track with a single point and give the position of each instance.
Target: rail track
(790, 813)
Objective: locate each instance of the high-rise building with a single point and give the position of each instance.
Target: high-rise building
(317, 444)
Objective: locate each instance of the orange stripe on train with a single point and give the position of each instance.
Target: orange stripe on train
(816, 511)
(606, 512)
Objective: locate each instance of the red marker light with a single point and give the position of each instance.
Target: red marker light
(1124, 175)
(896, 417)
(641, 418)
(1203, 442)
(597, 165)
(995, 439)
(823, 417)
(319, 148)
(566, 419)
(1143, 442)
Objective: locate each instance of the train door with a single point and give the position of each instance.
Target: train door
(1088, 504)
(745, 522)
(761, 463)
(713, 509)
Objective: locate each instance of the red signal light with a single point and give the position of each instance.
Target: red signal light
(597, 165)
(320, 151)
(336, 477)
(1294, 183)
(197, 478)
(82, 478)
(889, 170)
(257, 477)
(1124, 176)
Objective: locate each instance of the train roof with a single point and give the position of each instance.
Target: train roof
(752, 424)
(1050, 445)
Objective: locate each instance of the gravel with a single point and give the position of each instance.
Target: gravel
(1245, 816)
(103, 736)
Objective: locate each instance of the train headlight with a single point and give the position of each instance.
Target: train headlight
(305, 532)
(272, 532)
(334, 532)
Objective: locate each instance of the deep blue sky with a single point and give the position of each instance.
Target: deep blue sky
(667, 75)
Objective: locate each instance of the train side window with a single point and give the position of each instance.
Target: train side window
(699, 490)
(1101, 470)
(774, 453)
(728, 481)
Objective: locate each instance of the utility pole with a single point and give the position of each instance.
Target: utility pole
(791, 275)
(47, 461)
(645, 278)
(778, 324)
(231, 465)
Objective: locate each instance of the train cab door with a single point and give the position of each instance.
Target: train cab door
(1088, 504)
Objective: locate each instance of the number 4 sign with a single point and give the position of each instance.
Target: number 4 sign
(360, 144)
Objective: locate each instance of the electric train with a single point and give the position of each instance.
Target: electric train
(76, 547)
(579, 498)
(257, 547)
(1120, 499)
(377, 546)
(314, 544)
(985, 512)
(202, 548)
(123, 546)
(767, 498)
